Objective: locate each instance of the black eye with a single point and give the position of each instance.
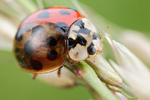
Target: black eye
(91, 50)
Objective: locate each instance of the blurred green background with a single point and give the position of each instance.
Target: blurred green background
(131, 14)
(18, 85)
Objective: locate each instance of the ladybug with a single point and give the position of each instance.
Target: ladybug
(44, 39)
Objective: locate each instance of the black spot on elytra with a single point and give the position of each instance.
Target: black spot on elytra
(64, 12)
(96, 36)
(20, 61)
(91, 50)
(72, 43)
(28, 48)
(81, 40)
(37, 30)
(61, 26)
(51, 55)
(36, 65)
(51, 41)
(19, 34)
(17, 50)
(44, 14)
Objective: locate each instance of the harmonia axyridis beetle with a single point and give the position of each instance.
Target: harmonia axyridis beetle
(46, 37)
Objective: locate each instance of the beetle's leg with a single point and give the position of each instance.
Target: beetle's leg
(78, 62)
(70, 60)
(98, 51)
(34, 75)
(88, 56)
(59, 71)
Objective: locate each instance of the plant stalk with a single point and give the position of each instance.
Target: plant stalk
(89, 76)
